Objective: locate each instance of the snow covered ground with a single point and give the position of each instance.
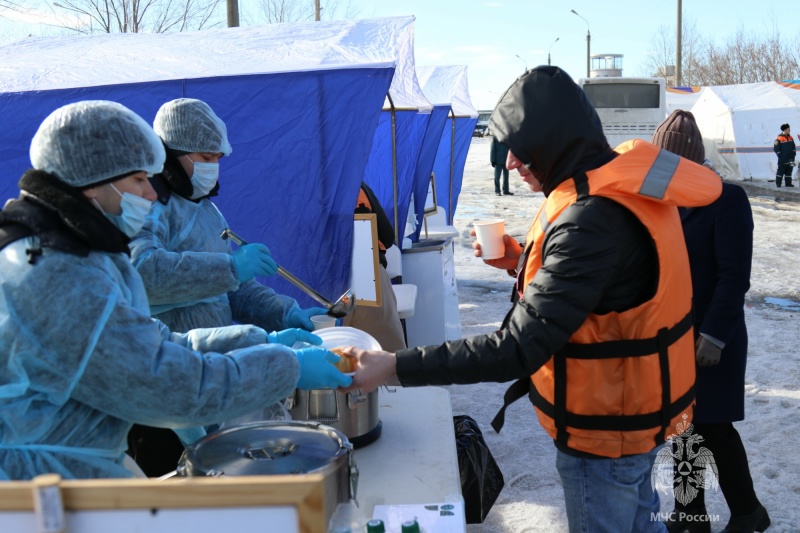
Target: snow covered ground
(532, 499)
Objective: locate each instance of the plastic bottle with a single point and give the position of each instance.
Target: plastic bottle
(376, 526)
(346, 519)
(410, 526)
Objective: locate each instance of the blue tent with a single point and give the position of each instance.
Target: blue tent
(301, 102)
(427, 156)
(445, 85)
(397, 142)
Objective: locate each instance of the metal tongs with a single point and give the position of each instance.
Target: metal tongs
(338, 309)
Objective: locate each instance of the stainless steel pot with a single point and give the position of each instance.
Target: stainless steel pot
(352, 413)
(277, 447)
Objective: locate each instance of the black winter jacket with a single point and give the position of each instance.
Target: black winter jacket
(784, 148)
(597, 258)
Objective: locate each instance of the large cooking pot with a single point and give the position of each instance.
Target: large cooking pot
(353, 413)
(277, 447)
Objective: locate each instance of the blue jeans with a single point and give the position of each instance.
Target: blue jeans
(610, 495)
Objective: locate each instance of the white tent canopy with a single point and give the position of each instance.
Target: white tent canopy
(447, 85)
(682, 98)
(405, 90)
(739, 124)
(37, 64)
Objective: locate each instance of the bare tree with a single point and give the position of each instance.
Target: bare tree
(136, 16)
(273, 11)
(662, 53)
(743, 58)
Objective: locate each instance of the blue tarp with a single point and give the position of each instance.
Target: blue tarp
(410, 128)
(450, 160)
(427, 156)
(299, 150)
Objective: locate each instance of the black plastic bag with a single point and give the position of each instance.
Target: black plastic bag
(481, 479)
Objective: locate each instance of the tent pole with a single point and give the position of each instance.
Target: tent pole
(394, 169)
(452, 167)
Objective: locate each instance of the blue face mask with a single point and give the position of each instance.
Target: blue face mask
(204, 177)
(134, 211)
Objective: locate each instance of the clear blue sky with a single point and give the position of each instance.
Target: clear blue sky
(487, 36)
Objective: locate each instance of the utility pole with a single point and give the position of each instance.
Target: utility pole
(233, 13)
(316, 10)
(678, 47)
(588, 44)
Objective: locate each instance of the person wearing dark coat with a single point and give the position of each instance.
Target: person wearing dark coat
(785, 150)
(497, 156)
(589, 265)
(719, 239)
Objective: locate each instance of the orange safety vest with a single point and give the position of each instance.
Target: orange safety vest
(363, 200)
(624, 380)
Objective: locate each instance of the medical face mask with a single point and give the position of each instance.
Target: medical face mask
(204, 177)
(134, 211)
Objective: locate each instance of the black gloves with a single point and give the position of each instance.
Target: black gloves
(706, 353)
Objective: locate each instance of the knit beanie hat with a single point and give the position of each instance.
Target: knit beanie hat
(680, 135)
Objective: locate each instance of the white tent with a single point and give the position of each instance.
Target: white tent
(301, 102)
(740, 122)
(682, 97)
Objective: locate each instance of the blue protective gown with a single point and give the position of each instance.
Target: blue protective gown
(189, 273)
(81, 360)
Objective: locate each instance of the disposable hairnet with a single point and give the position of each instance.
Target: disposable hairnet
(94, 140)
(191, 125)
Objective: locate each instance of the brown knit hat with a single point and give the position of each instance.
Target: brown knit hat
(680, 135)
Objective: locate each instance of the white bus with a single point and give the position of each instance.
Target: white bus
(629, 108)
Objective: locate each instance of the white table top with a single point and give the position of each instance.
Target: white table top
(414, 461)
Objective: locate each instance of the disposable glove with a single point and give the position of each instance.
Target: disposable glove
(301, 318)
(706, 353)
(253, 260)
(288, 337)
(317, 370)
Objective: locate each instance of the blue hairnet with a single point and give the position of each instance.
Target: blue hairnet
(94, 140)
(191, 125)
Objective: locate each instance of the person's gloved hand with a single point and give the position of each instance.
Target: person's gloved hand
(706, 353)
(494, 165)
(301, 318)
(317, 370)
(288, 337)
(253, 260)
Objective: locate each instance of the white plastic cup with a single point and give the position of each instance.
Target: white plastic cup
(489, 233)
(323, 321)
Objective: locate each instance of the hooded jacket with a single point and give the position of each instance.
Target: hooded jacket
(597, 257)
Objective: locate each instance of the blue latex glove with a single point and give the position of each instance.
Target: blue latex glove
(301, 318)
(288, 337)
(253, 260)
(317, 370)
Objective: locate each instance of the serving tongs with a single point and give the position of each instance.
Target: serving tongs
(338, 309)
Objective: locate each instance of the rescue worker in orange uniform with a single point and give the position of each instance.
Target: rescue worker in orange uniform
(600, 334)
(785, 150)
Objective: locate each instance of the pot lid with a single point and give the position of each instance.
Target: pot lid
(267, 448)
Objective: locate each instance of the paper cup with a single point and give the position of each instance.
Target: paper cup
(490, 233)
(323, 321)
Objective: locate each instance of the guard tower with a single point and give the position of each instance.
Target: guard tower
(606, 66)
